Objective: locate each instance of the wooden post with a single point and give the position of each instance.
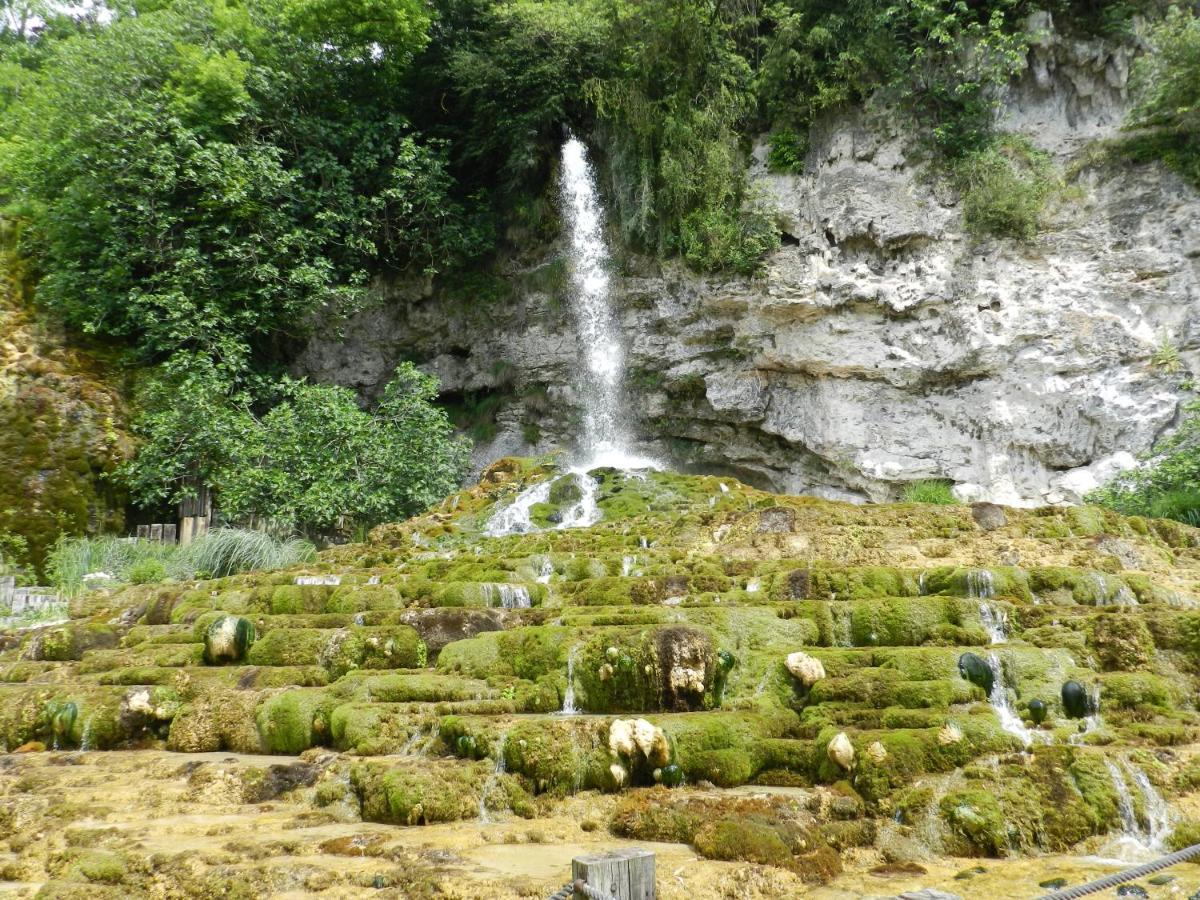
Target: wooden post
(621, 874)
(195, 515)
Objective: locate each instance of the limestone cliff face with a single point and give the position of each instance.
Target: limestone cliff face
(882, 344)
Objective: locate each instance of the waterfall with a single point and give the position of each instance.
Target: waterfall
(1138, 840)
(493, 779)
(546, 571)
(511, 596)
(627, 563)
(600, 380)
(1009, 720)
(569, 708)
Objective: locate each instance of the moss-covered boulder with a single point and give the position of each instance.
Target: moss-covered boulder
(667, 668)
(228, 639)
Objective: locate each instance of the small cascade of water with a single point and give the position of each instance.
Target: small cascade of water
(584, 511)
(753, 585)
(410, 744)
(644, 543)
(981, 584)
(842, 634)
(995, 622)
(1112, 591)
(1009, 720)
(627, 564)
(1138, 839)
(488, 786)
(516, 517)
(359, 619)
(86, 739)
(569, 708)
(921, 584)
(545, 571)
(511, 596)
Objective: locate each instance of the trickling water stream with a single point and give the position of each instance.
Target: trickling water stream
(493, 779)
(1009, 720)
(981, 586)
(1140, 838)
(1093, 721)
(511, 596)
(569, 708)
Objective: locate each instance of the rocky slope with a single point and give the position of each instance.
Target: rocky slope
(882, 344)
(64, 425)
(786, 682)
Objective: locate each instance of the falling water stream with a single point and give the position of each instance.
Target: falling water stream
(600, 380)
(981, 586)
(493, 780)
(569, 708)
(1009, 720)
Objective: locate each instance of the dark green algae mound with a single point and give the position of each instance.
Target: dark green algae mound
(674, 617)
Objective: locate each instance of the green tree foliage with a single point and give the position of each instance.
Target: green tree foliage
(1167, 81)
(1167, 485)
(500, 80)
(673, 112)
(208, 178)
(313, 461)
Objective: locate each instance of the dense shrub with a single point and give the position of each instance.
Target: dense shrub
(1004, 188)
(1166, 120)
(1167, 484)
(299, 456)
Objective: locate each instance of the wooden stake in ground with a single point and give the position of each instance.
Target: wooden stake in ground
(620, 874)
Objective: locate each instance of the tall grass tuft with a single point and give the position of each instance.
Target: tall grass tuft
(227, 551)
(931, 491)
(1180, 505)
(221, 552)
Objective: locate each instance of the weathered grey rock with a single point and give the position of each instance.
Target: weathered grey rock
(988, 516)
(1120, 550)
(882, 344)
(776, 520)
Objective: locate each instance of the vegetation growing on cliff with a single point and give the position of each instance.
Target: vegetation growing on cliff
(1168, 483)
(1167, 118)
